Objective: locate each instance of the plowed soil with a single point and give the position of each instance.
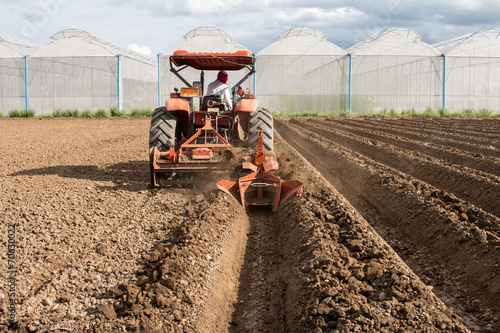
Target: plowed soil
(397, 231)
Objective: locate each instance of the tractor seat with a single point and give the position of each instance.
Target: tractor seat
(214, 98)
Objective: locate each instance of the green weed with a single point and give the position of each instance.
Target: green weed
(116, 113)
(444, 113)
(86, 114)
(66, 113)
(384, 112)
(394, 113)
(101, 113)
(22, 113)
(58, 114)
(141, 113)
(344, 113)
(429, 112)
(484, 113)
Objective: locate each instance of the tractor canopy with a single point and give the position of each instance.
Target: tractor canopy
(231, 61)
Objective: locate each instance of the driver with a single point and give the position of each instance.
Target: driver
(219, 88)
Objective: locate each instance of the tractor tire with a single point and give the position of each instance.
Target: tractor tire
(261, 120)
(162, 133)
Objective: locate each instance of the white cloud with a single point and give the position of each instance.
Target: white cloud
(196, 7)
(140, 49)
(470, 4)
(254, 24)
(318, 16)
(204, 7)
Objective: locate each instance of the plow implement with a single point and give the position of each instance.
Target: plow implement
(195, 154)
(260, 188)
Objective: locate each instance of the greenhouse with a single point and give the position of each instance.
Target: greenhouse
(395, 70)
(203, 39)
(300, 72)
(80, 71)
(472, 70)
(13, 70)
(303, 72)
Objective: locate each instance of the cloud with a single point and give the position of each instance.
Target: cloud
(193, 7)
(139, 49)
(470, 4)
(159, 24)
(319, 16)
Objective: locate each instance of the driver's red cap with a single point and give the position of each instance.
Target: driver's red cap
(222, 76)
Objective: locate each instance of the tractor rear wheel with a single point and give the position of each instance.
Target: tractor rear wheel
(261, 120)
(162, 133)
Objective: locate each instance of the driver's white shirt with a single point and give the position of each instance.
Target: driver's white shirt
(220, 89)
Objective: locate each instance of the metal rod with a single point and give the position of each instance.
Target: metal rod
(176, 72)
(118, 81)
(173, 70)
(202, 80)
(350, 81)
(159, 80)
(444, 81)
(255, 78)
(26, 95)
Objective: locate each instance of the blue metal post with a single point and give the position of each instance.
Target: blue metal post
(350, 77)
(26, 96)
(118, 81)
(444, 81)
(159, 81)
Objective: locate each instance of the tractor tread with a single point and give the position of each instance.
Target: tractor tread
(261, 120)
(162, 133)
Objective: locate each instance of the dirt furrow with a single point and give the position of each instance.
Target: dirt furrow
(475, 161)
(486, 128)
(186, 278)
(343, 275)
(455, 179)
(316, 265)
(479, 123)
(432, 219)
(485, 149)
(261, 288)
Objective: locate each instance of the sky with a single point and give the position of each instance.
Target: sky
(152, 26)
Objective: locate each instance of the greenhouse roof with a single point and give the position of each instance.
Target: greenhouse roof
(302, 41)
(13, 48)
(302, 32)
(206, 39)
(482, 43)
(207, 32)
(79, 43)
(394, 41)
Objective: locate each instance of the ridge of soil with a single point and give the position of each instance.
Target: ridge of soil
(429, 227)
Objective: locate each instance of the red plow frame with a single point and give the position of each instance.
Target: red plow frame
(191, 156)
(260, 188)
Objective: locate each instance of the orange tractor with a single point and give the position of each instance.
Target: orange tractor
(182, 138)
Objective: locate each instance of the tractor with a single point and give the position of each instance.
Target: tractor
(194, 132)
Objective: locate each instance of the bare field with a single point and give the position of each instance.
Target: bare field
(397, 231)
